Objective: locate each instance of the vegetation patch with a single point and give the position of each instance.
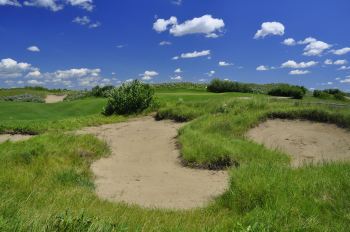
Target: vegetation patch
(24, 98)
(285, 90)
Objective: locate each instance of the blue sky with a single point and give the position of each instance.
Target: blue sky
(81, 43)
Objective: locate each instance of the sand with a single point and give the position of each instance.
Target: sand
(145, 169)
(54, 98)
(13, 138)
(307, 142)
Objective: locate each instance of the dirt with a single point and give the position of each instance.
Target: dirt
(306, 142)
(54, 98)
(144, 167)
(13, 138)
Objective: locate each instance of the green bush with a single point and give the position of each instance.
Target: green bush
(221, 86)
(104, 91)
(330, 94)
(129, 98)
(285, 90)
(24, 98)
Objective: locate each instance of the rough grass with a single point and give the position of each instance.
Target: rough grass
(46, 184)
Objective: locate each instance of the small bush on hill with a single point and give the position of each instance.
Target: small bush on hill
(330, 94)
(104, 91)
(129, 98)
(24, 98)
(76, 96)
(285, 90)
(221, 86)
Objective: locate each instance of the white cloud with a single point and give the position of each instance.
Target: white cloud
(328, 62)
(148, 75)
(270, 28)
(289, 42)
(314, 47)
(82, 20)
(85, 4)
(35, 82)
(224, 63)
(33, 49)
(205, 24)
(344, 67)
(121, 46)
(175, 58)
(55, 5)
(177, 2)
(342, 51)
(35, 73)
(161, 25)
(75, 73)
(95, 25)
(340, 62)
(293, 64)
(9, 3)
(12, 68)
(194, 54)
(178, 70)
(176, 78)
(299, 72)
(211, 73)
(163, 43)
(345, 80)
(262, 68)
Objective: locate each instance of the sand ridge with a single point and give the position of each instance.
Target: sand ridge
(306, 142)
(54, 98)
(144, 167)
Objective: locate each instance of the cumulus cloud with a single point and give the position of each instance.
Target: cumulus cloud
(148, 75)
(270, 28)
(76, 73)
(293, 64)
(205, 24)
(177, 2)
(299, 72)
(314, 47)
(35, 82)
(345, 80)
(33, 49)
(12, 68)
(211, 73)
(289, 42)
(35, 73)
(344, 67)
(194, 54)
(340, 62)
(9, 3)
(224, 63)
(262, 68)
(55, 5)
(328, 62)
(164, 43)
(342, 51)
(178, 70)
(176, 78)
(86, 21)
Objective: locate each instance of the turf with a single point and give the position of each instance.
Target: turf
(46, 183)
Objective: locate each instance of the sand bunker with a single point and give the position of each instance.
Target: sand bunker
(13, 138)
(305, 141)
(54, 98)
(144, 168)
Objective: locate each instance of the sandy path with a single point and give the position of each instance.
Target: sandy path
(305, 141)
(144, 168)
(54, 98)
(13, 138)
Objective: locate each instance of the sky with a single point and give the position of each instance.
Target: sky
(78, 44)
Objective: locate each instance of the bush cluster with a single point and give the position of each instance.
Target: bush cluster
(24, 98)
(329, 94)
(285, 90)
(129, 98)
(104, 91)
(72, 96)
(221, 86)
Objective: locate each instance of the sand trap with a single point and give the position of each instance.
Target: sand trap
(305, 141)
(144, 168)
(54, 98)
(13, 138)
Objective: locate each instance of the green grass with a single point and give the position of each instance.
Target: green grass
(46, 183)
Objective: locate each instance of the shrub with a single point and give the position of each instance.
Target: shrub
(76, 96)
(24, 98)
(104, 91)
(129, 98)
(221, 86)
(329, 94)
(286, 90)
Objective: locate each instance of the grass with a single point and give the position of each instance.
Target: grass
(46, 183)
